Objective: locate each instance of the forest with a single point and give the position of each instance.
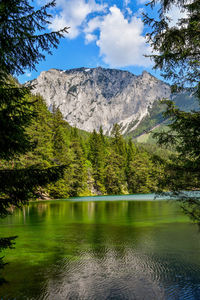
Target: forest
(94, 164)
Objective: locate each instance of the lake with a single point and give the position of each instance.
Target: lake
(132, 247)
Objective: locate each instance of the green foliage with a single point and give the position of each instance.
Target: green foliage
(59, 137)
(114, 175)
(152, 119)
(178, 56)
(117, 140)
(19, 185)
(183, 134)
(139, 174)
(155, 118)
(96, 156)
(16, 111)
(40, 134)
(177, 46)
(24, 43)
(94, 163)
(78, 170)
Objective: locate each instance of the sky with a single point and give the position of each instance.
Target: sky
(106, 33)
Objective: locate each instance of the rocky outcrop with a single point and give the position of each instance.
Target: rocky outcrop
(90, 98)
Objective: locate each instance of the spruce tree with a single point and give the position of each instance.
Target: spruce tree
(78, 177)
(40, 135)
(140, 175)
(177, 55)
(131, 152)
(61, 154)
(117, 140)
(118, 151)
(114, 173)
(177, 47)
(23, 43)
(97, 158)
(23, 40)
(59, 140)
(22, 46)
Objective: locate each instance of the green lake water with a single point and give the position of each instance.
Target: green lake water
(93, 248)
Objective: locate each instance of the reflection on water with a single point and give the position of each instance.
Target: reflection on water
(102, 250)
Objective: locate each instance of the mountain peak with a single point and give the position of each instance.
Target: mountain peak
(146, 74)
(92, 97)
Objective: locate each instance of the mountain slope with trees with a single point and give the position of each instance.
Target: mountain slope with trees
(95, 163)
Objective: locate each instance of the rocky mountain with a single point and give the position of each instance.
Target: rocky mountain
(89, 98)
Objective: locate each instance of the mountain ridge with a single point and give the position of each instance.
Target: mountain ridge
(92, 97)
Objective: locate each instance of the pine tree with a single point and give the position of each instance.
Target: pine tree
(177, 47)
(114, 173)
(61, 154)
(23, 41)
(23, 45)
(131, 152)
(78, 178)
(118, 161)
(117, 140)
(59, 139)
(102, 137)
(140, 175)
(178, 57)
(97, 158)
(16, 113)
(40, 135)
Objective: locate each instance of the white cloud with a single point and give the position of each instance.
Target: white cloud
(119, 36)
(93, 24)
(120, 40)
(90, 38)
(175, 14)
(73, 13)
(127, 2)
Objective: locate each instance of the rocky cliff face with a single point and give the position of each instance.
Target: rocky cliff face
(89, 98)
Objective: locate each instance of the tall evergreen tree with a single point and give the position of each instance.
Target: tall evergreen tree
(40, 135)
(177, 47)
(117, 158)
(140, 176)
(117, 140)
(23, 41)
(102, 137)
(97, 158)
(61, 154)
(59, 139)
(178, 57)
(23, 44)
(114, 174)
(78, 178)
(131, 152)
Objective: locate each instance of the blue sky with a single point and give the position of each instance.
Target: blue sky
(106, 33)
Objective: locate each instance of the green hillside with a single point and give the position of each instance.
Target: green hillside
(155, 121)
